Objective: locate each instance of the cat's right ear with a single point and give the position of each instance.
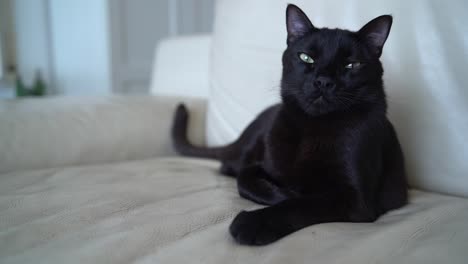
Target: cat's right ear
(297, 22)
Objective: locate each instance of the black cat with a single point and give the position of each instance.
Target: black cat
(327, 153)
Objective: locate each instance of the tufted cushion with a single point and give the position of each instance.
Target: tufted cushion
(425, 75)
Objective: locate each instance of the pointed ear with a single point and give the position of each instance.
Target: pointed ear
(375, 33)
(297, 23)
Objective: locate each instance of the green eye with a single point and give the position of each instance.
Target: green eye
(353, 65)
(306, 58)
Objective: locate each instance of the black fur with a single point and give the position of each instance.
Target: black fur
(327, 153)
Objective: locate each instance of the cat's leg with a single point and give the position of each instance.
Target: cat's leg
(228, 169)
(253, 183)
(266, 225)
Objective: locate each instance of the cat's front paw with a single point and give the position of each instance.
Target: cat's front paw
(253, 228)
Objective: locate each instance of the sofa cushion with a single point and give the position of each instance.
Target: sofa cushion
(177, 210)
(424, 60)
(182, 66)
(64, 131)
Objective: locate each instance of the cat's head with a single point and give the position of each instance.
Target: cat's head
(330, 70)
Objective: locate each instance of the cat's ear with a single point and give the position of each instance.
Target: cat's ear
(375, 33)
(298, 24)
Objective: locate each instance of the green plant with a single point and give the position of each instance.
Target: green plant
(37, 89)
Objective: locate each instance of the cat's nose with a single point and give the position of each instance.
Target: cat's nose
(323, 82)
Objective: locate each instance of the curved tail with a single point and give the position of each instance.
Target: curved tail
(183, 146)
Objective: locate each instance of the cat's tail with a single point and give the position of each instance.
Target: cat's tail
(182, 144)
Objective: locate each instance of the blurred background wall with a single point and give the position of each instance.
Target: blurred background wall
(86, 47)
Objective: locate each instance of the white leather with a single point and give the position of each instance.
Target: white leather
(425, 61)
(179, 210)
(182, 66)
(63, 131)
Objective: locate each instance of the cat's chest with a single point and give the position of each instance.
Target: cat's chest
(313, 146)
(320, 144)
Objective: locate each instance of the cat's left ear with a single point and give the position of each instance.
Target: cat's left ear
(375, 33)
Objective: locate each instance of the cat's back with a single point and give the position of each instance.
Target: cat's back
(264, 120)
(259, 126)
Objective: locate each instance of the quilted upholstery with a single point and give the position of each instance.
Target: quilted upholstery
(175, 210)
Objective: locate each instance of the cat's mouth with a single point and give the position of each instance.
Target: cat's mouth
(318, 105)
(319, 100)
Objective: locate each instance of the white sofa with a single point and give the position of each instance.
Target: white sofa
(95, 180)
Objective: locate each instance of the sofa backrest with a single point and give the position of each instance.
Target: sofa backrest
(39, 133)
(426, 79)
